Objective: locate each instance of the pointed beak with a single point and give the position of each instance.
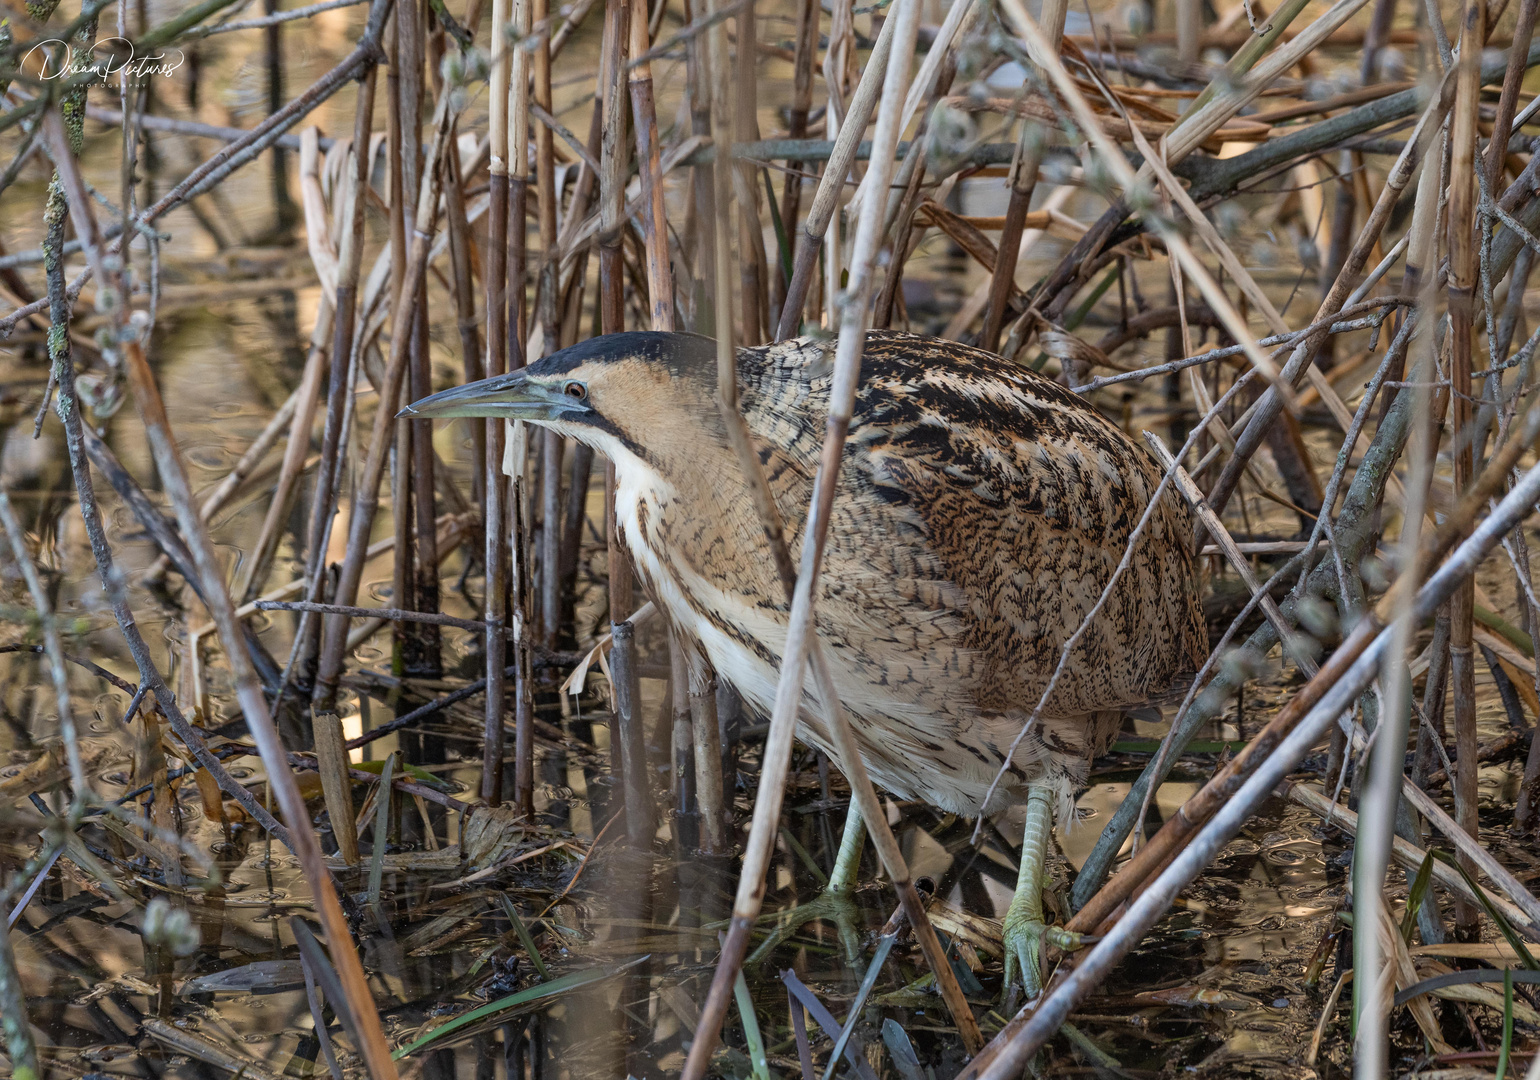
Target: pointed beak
(512, 396)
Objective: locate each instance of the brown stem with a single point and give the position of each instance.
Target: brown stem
(1513, 81)
(1023, 181)
(630, 736)
(612, 177)
(1462, 284)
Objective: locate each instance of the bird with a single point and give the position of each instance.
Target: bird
(980, 512)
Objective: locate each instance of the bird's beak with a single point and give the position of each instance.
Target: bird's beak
(512, 396)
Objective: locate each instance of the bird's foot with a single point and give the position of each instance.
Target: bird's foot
(1025, 937)
(834, 905)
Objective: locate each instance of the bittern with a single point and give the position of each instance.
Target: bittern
(981, 511)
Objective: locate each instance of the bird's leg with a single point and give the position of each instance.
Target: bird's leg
(1024, 925)
(835, 903)
(847, 864)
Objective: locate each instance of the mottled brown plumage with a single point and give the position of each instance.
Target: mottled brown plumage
(980, 512)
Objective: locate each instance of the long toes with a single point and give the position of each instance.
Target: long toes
(1023, 950)
(837, 908)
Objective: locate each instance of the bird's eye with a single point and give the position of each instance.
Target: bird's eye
(575, 390)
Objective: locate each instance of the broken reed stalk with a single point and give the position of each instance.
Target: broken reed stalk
(421, 559)
(336, 786)
(173, 472)
(714, 196)
(636, 789)
(801, 640)
(753, 292)
(457, 226)
(1513, 81)
(1462, 285)
(681, 749)
(1381, 794)
(1023, 180)
(506, 69)
(612, 195)
(523, 484)
(804, 56)
(660, 293)
(1330, 694)
(402, 172)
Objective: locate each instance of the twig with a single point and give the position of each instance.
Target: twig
(390, 614)
(269, 20)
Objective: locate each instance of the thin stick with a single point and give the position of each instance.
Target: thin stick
(660, 276)
(429, 618)
(499, 241)
(551, 443)
(612, 194)
(1462, 281)
(796, 127)
(630, 736)
(1023, 182)
(801, 634)
(422, 559)
(1513, 81)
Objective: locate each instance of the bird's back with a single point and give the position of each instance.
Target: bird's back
(981, 513)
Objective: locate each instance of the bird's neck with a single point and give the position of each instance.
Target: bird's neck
(695, 534)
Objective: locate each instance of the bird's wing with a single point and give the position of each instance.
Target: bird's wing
(1004, 504)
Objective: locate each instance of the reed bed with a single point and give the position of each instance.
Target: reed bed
(376, 720)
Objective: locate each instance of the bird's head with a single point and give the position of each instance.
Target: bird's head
(640, 392)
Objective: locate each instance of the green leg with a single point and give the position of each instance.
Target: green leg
(835, 903)
(1024, 918)
(847, 864)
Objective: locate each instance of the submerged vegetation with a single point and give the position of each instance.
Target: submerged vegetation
(343, 745)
